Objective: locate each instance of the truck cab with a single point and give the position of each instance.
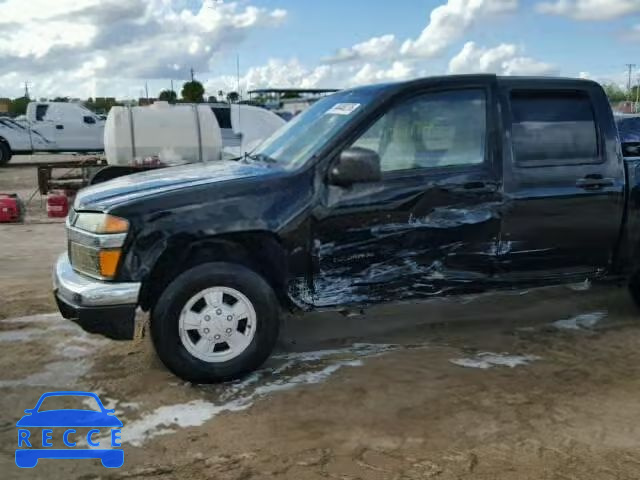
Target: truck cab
(69, 126)
(51, 127)
(380, 194)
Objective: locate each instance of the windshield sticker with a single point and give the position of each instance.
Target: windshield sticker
(343, 109)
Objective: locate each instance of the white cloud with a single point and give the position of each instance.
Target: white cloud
(505, 59)
(277, 73)
(85, 48)
(136, 39)
(450, 21)
(370, 73)
(374, 48)
(590, 9)
(617, 78)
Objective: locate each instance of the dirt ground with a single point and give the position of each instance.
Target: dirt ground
(540, 384)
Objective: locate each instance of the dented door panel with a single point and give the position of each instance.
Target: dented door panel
(406, 238)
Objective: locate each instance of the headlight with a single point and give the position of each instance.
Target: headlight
(94, 243)
(101, 223)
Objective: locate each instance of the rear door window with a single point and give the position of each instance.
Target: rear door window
(553, 128)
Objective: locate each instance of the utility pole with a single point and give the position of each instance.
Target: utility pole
(26, 89)
(638, 95)
(146, 91)
(630, 66)
(193, 75)
(238, 74)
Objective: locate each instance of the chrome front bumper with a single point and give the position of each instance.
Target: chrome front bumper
(82, 291)
(106, 308)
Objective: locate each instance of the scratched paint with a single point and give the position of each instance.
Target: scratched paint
(445, 217)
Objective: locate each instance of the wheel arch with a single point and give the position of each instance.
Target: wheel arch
(261, 251)
(5, 142)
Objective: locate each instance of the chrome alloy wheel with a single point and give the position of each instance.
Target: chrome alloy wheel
(217, 324)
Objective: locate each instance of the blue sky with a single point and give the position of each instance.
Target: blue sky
(110, 47)
(313, 32)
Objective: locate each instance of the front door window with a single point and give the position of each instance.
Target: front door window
(433, 130)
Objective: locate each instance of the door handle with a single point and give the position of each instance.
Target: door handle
(59, 127)
(594, 182)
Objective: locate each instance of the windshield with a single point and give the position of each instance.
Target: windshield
(305, 135)
(69, 402)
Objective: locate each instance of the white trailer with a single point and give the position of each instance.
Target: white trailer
(51, 127)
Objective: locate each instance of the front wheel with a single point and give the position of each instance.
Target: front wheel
(215, 322)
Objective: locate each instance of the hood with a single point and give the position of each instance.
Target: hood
(139, 185)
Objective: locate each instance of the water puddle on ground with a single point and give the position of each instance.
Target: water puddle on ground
(486, 360)
(73, 350)
(585, 321)
(281, 373)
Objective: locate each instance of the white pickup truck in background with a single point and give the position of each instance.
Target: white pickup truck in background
(51, 127)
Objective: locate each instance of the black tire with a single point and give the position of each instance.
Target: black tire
(5, 153)
(166, 313)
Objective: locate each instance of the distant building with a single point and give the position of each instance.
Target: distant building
(5, 103)
(146, 101)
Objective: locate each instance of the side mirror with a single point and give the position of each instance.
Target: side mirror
(631, 149)
(355, 165)
(29, 410)
(89, 120)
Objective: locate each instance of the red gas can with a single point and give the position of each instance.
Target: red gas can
(57, 204)
(9, 208)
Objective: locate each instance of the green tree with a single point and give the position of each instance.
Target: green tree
(614, 92)
(233, 97)
(193, 92)
(18, 106)
(90, 104)
(168, 96)
(61, 99)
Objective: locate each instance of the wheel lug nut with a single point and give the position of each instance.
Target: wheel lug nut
(207, 318)
(228, 330)
(229, 318)
(217, 337)
(206, 330)
(218, 312)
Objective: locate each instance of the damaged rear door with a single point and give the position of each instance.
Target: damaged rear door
(432, 223)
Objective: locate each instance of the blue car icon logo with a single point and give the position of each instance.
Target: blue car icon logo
(63, 424)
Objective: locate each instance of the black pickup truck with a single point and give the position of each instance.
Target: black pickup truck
(386, 193)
